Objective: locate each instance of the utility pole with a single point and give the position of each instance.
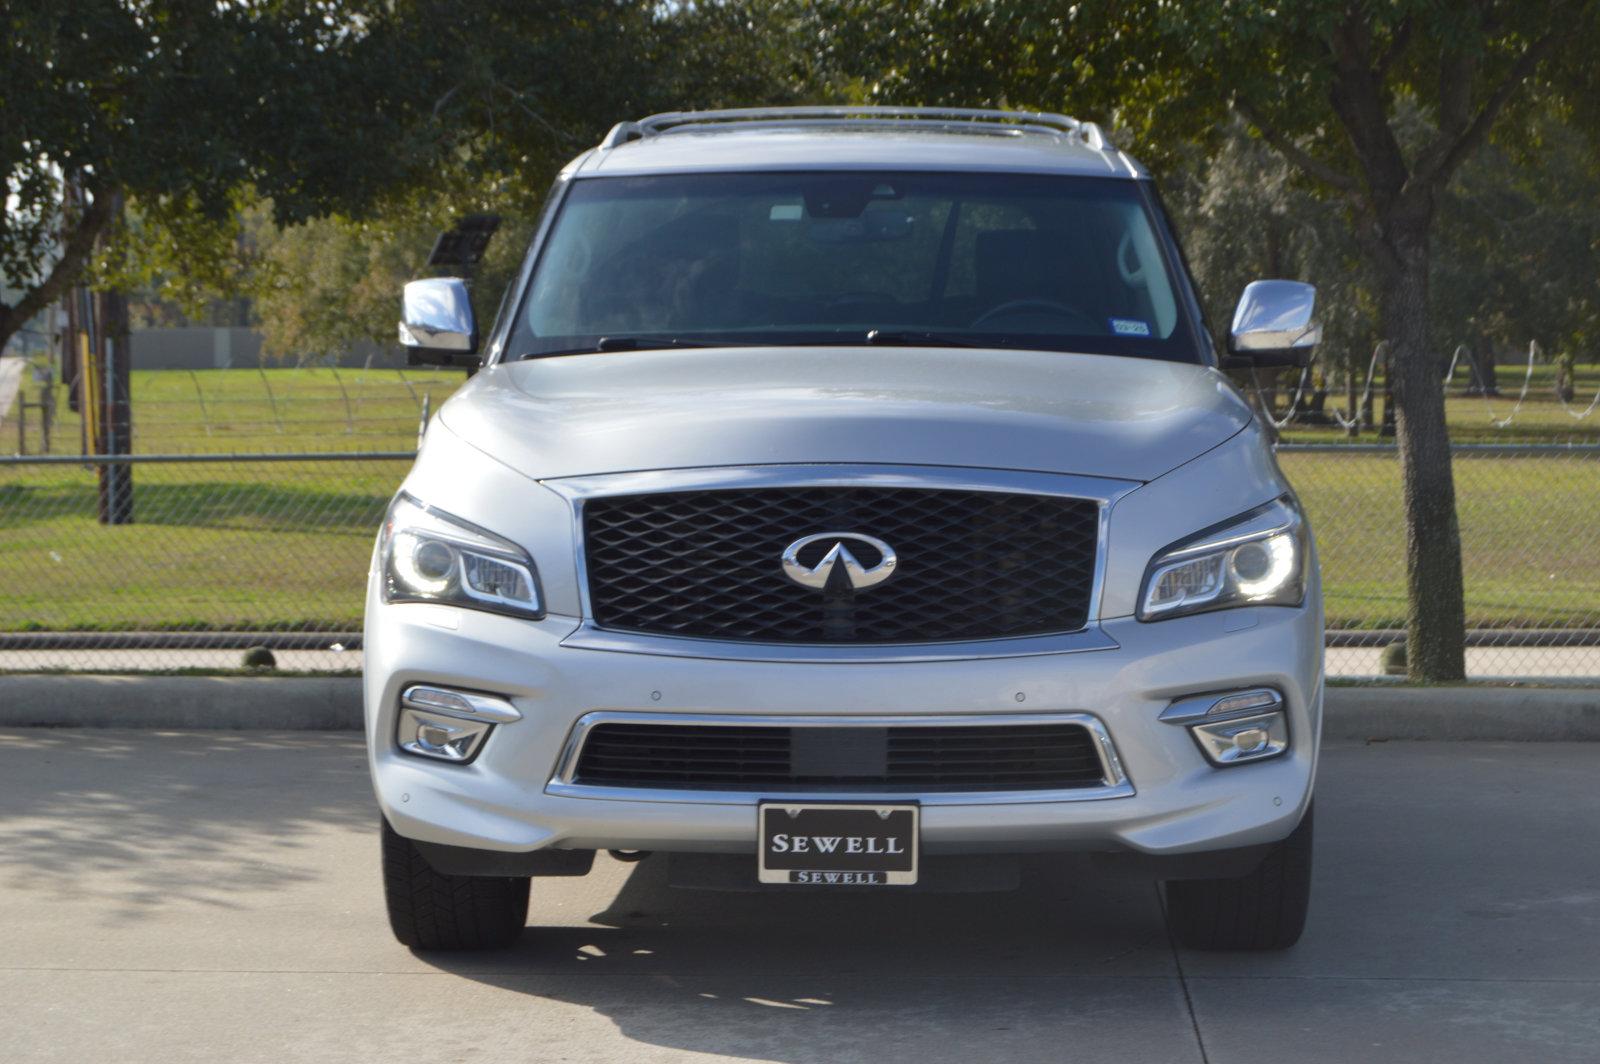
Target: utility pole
(116, 481)
(103, 394)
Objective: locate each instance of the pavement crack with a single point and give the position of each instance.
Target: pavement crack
(1183, 979)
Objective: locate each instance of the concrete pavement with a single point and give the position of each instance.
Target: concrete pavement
(213, 897)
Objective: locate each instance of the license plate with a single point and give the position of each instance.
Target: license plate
(838, 845)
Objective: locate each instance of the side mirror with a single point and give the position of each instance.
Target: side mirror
(436, 323)
(1273, 326)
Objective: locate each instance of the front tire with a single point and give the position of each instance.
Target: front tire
(430, 910)
(1265, 910)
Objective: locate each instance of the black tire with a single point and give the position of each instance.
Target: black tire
(1264, 910)
(430, 910)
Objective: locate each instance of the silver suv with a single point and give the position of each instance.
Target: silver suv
(849, 499)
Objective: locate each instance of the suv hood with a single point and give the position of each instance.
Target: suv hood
(1091, 415)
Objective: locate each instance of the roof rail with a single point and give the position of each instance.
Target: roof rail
(946, 119)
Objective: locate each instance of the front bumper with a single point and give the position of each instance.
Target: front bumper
(503, 800)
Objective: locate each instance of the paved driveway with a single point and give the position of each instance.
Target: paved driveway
(213, 898)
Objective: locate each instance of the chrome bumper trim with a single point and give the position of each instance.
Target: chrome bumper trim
(1196, 709)
(588, 636)
(1115, 780)
(467, 705)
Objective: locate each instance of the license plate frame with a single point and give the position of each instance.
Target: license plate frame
(874, 844)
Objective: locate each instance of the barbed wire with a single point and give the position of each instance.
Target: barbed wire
(1353, 419)
(1348, 423)
(1294, 403)
(1522, 396)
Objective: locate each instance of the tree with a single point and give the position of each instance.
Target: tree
(1323, 82)
(529, 92)
(370, 121)
(325, 285)
(189, 109)
(1245, 214)
(173, 102)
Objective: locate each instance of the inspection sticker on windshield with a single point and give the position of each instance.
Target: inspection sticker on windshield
(1129, 327)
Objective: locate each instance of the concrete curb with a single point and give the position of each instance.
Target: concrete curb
(281, 703)
(1515, 714)
(333, 703)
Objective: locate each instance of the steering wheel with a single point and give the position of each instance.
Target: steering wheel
(1035, 306)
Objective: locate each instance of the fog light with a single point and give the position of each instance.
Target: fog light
(1234, 728)
(1247, 739)
(1251, 740)
(449, 725)
(444, 738)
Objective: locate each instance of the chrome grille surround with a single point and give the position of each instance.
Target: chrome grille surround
(1114, 782)
(590, 634)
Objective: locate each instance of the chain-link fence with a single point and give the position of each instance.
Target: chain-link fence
(219, 554)
(229, 552)
(322, 408)
(1529, 515)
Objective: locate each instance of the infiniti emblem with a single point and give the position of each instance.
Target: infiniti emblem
(839, 554)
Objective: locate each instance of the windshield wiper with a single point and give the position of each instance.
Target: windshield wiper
(623, 343)
(915, 338)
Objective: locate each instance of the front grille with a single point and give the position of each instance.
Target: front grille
(900, 759)
(971, 564)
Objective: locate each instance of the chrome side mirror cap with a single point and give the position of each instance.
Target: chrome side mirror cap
(436, 322)
(1274, 324)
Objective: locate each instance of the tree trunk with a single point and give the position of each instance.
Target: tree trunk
(116, 481)
(1352, 395)
(83, 225)
(1436, 614)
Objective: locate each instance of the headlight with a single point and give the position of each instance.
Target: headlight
(430, 556)
(1255, 559)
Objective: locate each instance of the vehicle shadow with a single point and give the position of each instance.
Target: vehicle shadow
(868, 976)
(142, 820)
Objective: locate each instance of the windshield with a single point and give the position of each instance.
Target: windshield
(1001, 260)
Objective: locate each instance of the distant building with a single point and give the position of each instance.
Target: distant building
(205, 347)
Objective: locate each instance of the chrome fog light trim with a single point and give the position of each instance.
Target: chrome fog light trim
(464, 704)
(449, 725)
(440, 737)
(1235, 726)
(1231, 742)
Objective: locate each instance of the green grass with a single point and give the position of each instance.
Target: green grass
(246, 410)
(286, 545)
(264, 546)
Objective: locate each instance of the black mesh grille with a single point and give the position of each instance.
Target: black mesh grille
(777, 759)
(971, 564)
